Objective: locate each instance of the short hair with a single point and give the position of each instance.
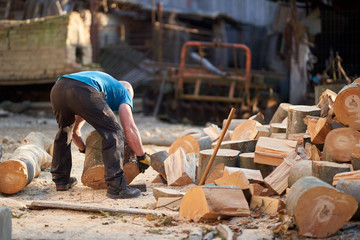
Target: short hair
(128, 86)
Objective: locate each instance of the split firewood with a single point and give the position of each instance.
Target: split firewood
(190, 144)
(347, 106)
(227, 156)
(278, 135)
(180, 168)
(157, 162)
(213, 131)
(254, 176)
(281, 113)
(350, 175)
(93, 171)
(296, 116)
(278, 128)
(263, 131)
(278, 179)
(267, 205)
(247, 161)
(356, 157)
(237, 179)
(217, 172)
(256, 189)
(300, 169)
(351, 187)
(326, 171)
(159, 179)
(166, 192)
(318, 128)
(246, 130)
(272, 151)
(168, 203)
(312, 152)
(340, 144)
(208, 203)
(319, 209)
(326, 102)
(240, 145)
(25, 163)
(233, 124)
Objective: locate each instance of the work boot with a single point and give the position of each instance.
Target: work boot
(64, 187)
(124, 192)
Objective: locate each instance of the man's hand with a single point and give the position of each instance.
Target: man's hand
(143, 162)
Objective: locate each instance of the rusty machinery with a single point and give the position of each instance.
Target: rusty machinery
(202, 92)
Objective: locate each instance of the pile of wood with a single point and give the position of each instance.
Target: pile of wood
(293, 165)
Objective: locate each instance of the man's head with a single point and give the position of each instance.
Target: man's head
(128, 87)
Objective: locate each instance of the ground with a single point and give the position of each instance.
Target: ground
(65, 224)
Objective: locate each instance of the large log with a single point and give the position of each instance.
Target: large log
(190, 144)
(326, 171)
(318, 208)
(351, 187)
(340, 144)
(93, 171)
(296, 116)
(24, 164)
(281, 113)
(272, 151)
(227, 156)
(180, 168)
(208, 203)
(300, 169)
(247, 161)
(347, 106)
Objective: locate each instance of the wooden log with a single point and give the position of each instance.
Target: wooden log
(340, 144)
(278, 179)
(190, 144)
(267, 205)
(281, 113)
(296, 116)
(208, 203)
(246, 130)
(326, 171)
(351, 187)
(326, 102)
(237, 179)
(243, 146)
(227, 156)
(93, 171)
(278, 128)
(347, 106)
(166, 192)
(217, 172)
(168, 203)
(353, 176)
(263, 131)
(159, 179)
(300, 169)
(180, 168)
(256, 189)
(253, 175)
(247, 161)
(313, 152)
(39, 139)
(233, 124)
(318, 130)
(23, 165)
(318, 208)
(157, 162)
(213, 131)
(272, 151)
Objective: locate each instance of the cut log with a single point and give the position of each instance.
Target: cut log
(168, 203)
(243, 146)
(326, 171)
(180, 168)
(247, 161)
(254, 176)
(93, 171)
(318, 130)
(281, 113)
(217, 172)
(237, 179)
(318, 208)
(272, 151)
(23, 165)
(278, 179)
(278, 135)
(351, 187)
(326, 102)
(296, 116)
(263, 131)
(300, 169)
(208, 203)
(266, 204)
(278, 128)
(39, 139)
(213, 131)
(246, 130)
(233, 124)
(340, 144)
(157, 162)
(190, 144)
(353, 176)
(166, 192)
(227, 156)
(256, 189)
(347, 106)
(259, 117)
(159, 179)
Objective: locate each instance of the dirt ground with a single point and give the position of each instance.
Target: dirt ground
(65, 224)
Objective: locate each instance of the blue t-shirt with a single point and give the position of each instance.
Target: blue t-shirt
(116, 93)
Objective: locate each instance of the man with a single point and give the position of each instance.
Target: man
(92, 96)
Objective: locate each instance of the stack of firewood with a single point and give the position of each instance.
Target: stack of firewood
(303, 163)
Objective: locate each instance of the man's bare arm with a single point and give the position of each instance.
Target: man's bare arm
(76, 136)
(132, 134)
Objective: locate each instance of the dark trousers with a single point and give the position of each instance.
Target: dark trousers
(69, 98)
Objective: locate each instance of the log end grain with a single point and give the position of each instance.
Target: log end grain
(13, 176)
(94, 178)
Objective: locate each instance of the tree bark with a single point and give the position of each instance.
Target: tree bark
(351, 187)
(243, 146)
(326, 171)
(247, 161)
(300, 169)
